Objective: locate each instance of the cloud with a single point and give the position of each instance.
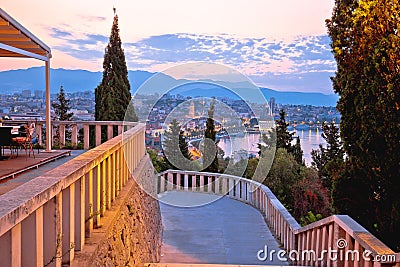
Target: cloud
(92, 18)
(87, 47)
(303, 63)
(57, 33)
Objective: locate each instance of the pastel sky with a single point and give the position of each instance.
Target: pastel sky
(281, 44)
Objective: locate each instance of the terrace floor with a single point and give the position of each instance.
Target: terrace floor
(16, 171)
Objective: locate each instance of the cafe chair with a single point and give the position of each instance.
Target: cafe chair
(27, 139)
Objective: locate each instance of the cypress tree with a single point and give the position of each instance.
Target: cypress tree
(183, 146)
(329, 161)
(297, 152)
(112, 95)
(175, 146)
(170, 144)
(283, 136)
(333, 151)
(365, 44)
(210, 134)
(333, 144)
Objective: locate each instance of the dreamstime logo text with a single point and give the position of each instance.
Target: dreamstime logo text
(330, 254)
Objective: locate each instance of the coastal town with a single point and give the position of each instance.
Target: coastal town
(30, 105)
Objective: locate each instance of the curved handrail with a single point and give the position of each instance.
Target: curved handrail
(311, 243)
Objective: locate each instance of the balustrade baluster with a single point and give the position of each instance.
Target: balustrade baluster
(209, 184)
(98, 134)
(113, 177)
(224, 185)
(117, 172)
(74, 135)
(80, 197)
(52, 231)
(96, 195)
(110, 132)
(31, 240)
(89, 204)
(16, 250)
(103, 187)
(86, 138)
(61, 134)
(68, 224)
(170, 182)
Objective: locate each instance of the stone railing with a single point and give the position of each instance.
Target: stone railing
(355, 245)
(44, 221)
(305, 244)
(75, 126)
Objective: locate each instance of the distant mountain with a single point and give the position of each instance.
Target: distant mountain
(14, 81)
(300, 98)
(34, 79)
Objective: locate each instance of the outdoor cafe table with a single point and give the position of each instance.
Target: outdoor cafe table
(6, 135)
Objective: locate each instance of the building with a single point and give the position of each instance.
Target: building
(39, 94)
(26, 93)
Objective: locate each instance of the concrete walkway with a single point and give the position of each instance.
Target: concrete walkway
(225, 231)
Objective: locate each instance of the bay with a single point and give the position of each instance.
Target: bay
(309, 140)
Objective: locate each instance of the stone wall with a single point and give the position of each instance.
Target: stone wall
(131, 232)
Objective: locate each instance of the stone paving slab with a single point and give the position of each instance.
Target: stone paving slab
(226, 231)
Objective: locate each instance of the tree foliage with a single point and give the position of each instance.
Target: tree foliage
(268, 143)
(62, 106)
(112, 95)
(210, 145)
(62, 109)
(297, 186)
(310, 195)
(175, 148)
(183, 146)
(282, 176)
(329, 161)
(283, 136)
(297, 151)
(159, 163)
(366, 46)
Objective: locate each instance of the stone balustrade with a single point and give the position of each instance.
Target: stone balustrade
(75, 126)
(301, 242)
(45, 221)
(355, 245)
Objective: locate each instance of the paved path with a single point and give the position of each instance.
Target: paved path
(225, 231)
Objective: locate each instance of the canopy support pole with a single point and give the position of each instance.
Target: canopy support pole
(48, 117)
